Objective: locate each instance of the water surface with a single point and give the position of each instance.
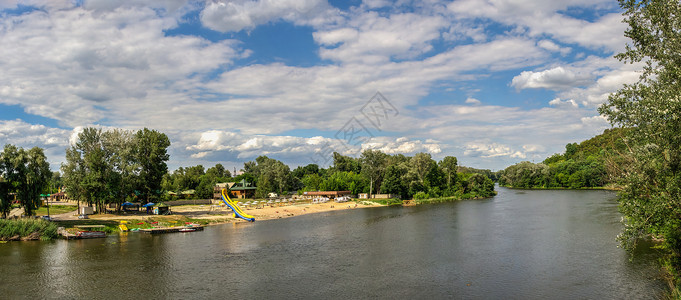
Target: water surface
(517, 245)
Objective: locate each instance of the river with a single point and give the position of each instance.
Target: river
(517, 245)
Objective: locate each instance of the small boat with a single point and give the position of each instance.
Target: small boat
(188, 229)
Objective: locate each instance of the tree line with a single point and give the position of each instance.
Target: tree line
(373, 172)
(593, 163)
(114, 166)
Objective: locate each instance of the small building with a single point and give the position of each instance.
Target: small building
(188, 194)
(240, 190)
(86, 210)
(328, 194)
(58, 196)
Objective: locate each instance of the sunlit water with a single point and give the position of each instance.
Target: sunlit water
(517, 245)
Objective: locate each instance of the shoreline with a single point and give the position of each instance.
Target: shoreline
(216, 214)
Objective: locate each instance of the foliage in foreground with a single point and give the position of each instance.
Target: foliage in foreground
(23, 228)
(651, 198)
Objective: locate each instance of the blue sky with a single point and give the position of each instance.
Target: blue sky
(490, 82)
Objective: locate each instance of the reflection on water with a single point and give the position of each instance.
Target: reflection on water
(529, 244)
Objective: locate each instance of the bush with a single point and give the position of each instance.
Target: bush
(421, 196)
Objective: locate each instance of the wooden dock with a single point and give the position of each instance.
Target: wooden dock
(170, 229)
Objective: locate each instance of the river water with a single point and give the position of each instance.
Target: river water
(517, 245)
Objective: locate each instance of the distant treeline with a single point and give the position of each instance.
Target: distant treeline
(592, 163)
(418, 176)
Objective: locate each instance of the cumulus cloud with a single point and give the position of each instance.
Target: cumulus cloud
(473, 101)
(372, 38)
(560, 103)
(226, 16)
(542, 18)
(557, 78)
(74, 65)
(488, 150)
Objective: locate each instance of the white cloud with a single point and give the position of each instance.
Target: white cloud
(545, 18)
(372, 38)
(473, 101)
(75, 65)
(560, 103)
(551, 46)
(489, 150)
(557, 78)
(238, 15)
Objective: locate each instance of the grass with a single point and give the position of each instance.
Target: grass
(26, 227)
(111, 226)
(56, 209)
(389, 202)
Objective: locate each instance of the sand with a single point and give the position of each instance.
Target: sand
(217, 214)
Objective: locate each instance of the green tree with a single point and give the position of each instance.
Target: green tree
(26, 173)
(312, 182)
(342, 163)
(650, 200)
(37, 180)
(373, 164)
(393, 182)
(421, 164)
(151, 153)
(8, 177)
(449, 166)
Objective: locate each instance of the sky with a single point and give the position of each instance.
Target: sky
(492, 82)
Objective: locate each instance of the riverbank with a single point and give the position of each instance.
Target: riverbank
(607, 188)
(27, 229)
(207, 215)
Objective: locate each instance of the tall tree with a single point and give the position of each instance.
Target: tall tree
(342, 163)
(421, 164)
(7, 178)
(26, 173)
(37, 180)
(394, 183)
(449, 165)
(151, 152)
(374, 163)
(651, 198)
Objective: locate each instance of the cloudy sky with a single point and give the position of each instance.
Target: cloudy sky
(492, 82)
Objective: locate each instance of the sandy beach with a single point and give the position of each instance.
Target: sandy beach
(216, 214)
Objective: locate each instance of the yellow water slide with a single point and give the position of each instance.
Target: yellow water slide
(235, 208)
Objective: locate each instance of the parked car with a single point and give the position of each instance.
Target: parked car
(47, 218)
(83, 216)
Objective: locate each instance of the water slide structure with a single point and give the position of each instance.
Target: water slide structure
(235, 208)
